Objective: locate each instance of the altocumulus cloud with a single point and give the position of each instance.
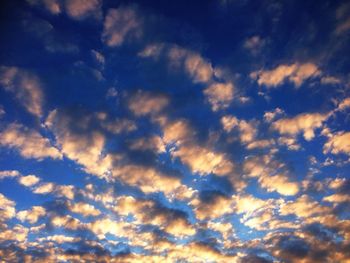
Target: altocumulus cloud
(139, 131)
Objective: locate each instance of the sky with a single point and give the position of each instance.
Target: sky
(175, 131)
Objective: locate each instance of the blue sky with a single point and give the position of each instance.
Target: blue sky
(158, 131)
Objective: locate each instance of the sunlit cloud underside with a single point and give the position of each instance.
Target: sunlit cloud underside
(175, 131)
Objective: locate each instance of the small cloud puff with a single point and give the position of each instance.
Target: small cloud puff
(296, 73)
(28, 142)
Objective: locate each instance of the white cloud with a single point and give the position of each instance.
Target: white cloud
(329, 80)
(296, 73)
(2, 111)
(85, 146)
(203, 160)
(254, 44)
(305, 123)
(120, 25)
(75, 9)
(7, 208)
(79, 9)
(344, 104)
(338, 143)
(9, 174)
(272, 175)
(53, 6)
(98, 58)
(271, 115)
(44, 188)
(304, 206)
(343, 26)
(28, 142)
(28, 180)
(143, 103)
(198, 68)
(148, 179)
(84, 209)
(32, 215)
(154, 143)
(247, 130)
(219, 95)
(25, 86)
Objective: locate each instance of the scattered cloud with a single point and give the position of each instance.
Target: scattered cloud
(75, 9)
(254, 44)
(295, 73)
(143, 103)
(338, 143)
(29, 143)
(120, 25)
(305, 123)
(220, 95)
(32, 215)
(25, 86)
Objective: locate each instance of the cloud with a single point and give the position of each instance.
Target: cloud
(279, 183)
(225, 229)
(295, 73)
(105, 226)
(342, 15)
(143, 103)
(171, 221)
(247, 130)
(204, 161)
(269, 116)
(154, 144)
(272, 175)
(7, 208)
(28, 180)
(200, 159)
(53, 6)
(98, 58)
(260, 144)
(119, 126)
(28, 142)
(290, 142)
(79, 9)
(336, 183)
(25, 86)
(329, 80)
(120, 25)
(32, 215)
(75, 9)
(337, 198)
(338, 143)
(254, 44)
(304, 206)
(199, 252)
(212, 205)
(84, 209)
(305, 123)
(17, 234)
(9, 174)
(44, 188)
(344, 104)
(343, 26)
(198, 68)
(148, 179)
(177, 132)
(60, 239)
(80, 142)
(219, 95)
(2, 111)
